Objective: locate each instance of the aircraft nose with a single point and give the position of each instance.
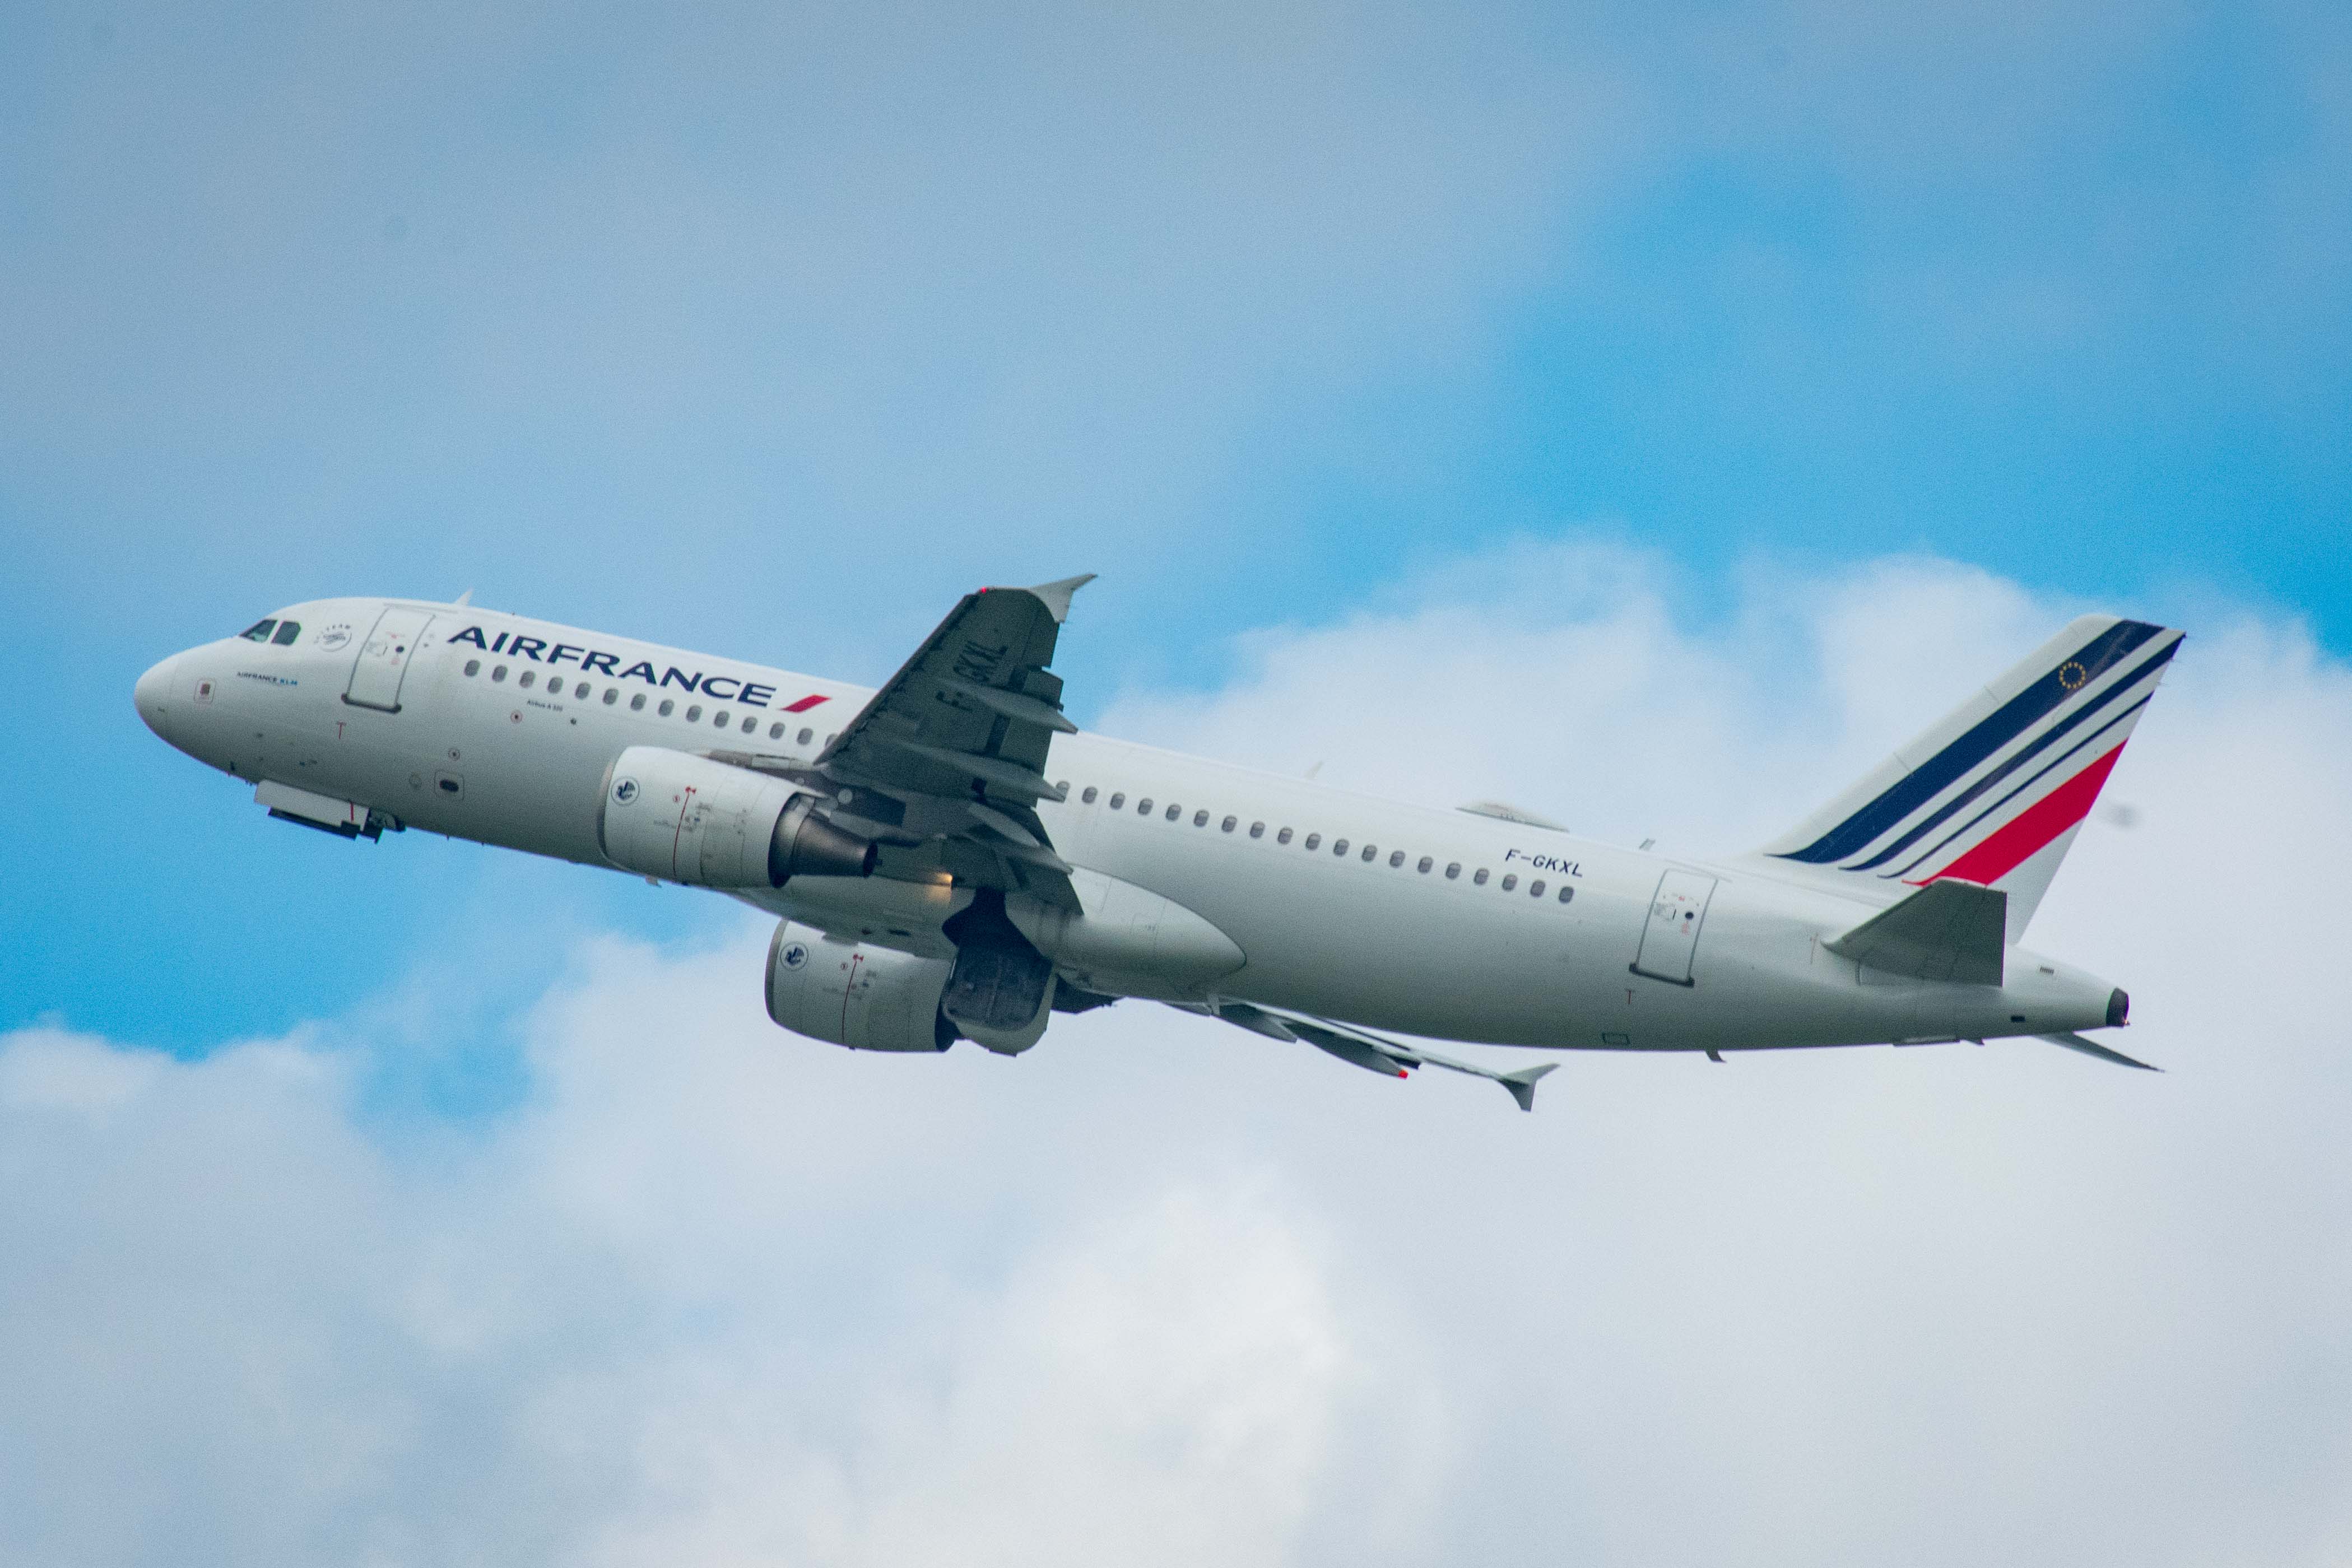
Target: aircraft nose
(150, 695)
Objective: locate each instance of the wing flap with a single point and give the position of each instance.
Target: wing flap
(2092, 1048)
(1017, 780)
(1360, 1047)
(1011, 704)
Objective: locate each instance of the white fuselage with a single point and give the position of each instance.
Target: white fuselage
(1387, 934)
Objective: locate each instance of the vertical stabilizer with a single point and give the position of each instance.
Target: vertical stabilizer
(1995, 793)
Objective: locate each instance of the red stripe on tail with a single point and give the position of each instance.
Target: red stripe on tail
(2030, 831)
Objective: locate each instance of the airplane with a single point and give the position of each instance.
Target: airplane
(950, 858)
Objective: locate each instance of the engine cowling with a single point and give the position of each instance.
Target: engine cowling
(684, 817)
(855, 993)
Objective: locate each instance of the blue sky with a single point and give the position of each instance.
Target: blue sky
(771, 331)
(1645, 413)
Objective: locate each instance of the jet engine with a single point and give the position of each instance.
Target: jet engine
(1001, 991)
(684, 817)
(856, 995)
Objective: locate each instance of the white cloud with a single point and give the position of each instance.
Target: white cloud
(1164, 1292)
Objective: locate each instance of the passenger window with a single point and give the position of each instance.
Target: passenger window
(259, 631)
(775, 732)
(1481, 878)
(637, 702)
(1535, 888)
(719, 719)
(1396, 858)
(1565, 893)
(499, 674)
(694, 714)
(530, 679)
(750, 722)
(1143, 807)
(1510, 882)
(1453, 870)
(1370, 853)
(1088, 798)
(1174, 812)
(1425, 863)
(473, 666)
(1200, 818)
(1257, 830)
(287, 631)
(666, 708)
(1118, 802)
(1228, 825)
(581, 691)
(1284, 837)
(805, 734)
(611, 696)
(1314, 841)
(1339, 847)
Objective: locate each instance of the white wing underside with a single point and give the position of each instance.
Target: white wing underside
(1374, 1053)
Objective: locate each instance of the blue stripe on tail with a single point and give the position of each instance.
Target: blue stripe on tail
(2005, 724)
(2025, 754)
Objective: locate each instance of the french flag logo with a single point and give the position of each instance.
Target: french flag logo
(2005, 778)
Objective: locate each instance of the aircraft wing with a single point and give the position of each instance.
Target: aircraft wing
(945, 765)
(1360, 1047)
(2074, 1041)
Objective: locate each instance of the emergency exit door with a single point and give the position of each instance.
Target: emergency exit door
(1670, 935)
(384, 658)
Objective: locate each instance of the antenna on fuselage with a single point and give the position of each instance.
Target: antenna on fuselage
(462, 600)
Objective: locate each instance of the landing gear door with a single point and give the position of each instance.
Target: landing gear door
(384, 658)
(1670, 935)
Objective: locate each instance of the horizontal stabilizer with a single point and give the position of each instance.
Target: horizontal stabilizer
(2092, 1048)
(1949, 930)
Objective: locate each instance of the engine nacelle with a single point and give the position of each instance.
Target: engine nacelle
(856, 995)
(684, 817)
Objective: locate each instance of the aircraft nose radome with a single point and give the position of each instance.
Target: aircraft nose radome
(149, 696)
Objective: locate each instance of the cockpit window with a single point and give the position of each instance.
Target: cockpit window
(287, 631)
(259, 631)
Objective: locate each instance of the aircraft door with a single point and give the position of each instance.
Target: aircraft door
(384, 658)
(1671, 934)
